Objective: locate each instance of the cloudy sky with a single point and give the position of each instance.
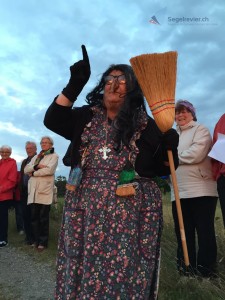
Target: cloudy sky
(41, 39)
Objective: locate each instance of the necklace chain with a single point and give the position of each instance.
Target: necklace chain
(105, 150)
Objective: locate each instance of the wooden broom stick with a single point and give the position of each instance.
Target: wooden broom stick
(160, 71)
(179, 210)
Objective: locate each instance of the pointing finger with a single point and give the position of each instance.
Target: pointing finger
(85, 55)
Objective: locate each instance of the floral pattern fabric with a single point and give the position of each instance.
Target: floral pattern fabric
(109, 246)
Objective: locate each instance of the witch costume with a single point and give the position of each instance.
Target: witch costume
(109, 245)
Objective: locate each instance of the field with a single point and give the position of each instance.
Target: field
(171, 285)
(174, 287)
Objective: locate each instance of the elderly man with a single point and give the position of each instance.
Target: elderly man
(31, 149)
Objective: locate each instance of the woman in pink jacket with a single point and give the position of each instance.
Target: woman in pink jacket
(8, 180)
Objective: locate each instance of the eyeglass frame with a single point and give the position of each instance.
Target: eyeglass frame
(109, 81)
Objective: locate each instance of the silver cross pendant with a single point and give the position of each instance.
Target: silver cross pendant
(104, 150)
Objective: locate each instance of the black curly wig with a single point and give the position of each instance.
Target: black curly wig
(126, 120)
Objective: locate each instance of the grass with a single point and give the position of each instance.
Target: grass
(171, 285)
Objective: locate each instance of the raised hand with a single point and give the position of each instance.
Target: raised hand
(79, 74)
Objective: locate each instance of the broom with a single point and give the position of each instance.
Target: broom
(156, 74)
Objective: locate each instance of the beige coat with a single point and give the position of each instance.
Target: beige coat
(41, 184)
(194, 173)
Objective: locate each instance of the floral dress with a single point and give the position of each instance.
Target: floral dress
(109, 246)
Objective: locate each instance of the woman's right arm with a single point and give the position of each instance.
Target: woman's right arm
(59, 117)
(63, 100)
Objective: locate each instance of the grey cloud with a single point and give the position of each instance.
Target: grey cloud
(40, 40)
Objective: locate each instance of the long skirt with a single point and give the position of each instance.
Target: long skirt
(109, 246)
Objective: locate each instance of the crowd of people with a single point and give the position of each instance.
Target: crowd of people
(109, 242)
(30, 190)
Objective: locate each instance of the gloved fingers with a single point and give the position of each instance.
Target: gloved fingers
(170, 139)
(168, 132)
(85, 55)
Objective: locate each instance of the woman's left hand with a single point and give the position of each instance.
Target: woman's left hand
(170, 139)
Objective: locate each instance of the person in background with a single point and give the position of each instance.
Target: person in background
(8, 180)
(17, 203)
(197, 191)
(41, 170)
(219, 167)
(31, 150)
(109, 245)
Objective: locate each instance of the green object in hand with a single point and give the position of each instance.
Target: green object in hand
(126, 176)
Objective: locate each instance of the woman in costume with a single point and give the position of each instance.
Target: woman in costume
(109, 245)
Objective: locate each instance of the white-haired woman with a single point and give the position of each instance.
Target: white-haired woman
(40, 190)
(8, 180)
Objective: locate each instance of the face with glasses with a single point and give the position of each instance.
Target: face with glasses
(114, 92)
(5, 153)
(46, 144)
(110, 79)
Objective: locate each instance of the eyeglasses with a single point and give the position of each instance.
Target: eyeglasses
(109, 79)
(5, 152)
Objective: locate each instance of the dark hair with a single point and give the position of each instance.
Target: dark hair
(126, 120)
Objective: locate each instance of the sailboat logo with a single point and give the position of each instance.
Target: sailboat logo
(161, 17)
(154, 20)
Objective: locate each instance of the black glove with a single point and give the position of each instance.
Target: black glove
(170, 139)
(80, 73)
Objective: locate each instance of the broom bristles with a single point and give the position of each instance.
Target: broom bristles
(156, 75)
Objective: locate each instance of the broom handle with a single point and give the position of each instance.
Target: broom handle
(178, 205)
